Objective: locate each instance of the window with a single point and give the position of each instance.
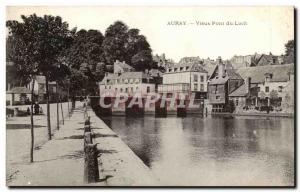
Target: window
(105, 87)
(187, 68)
(236, 102)
(170, 70)
(202, 78)
(126, 89)
(195, 86)
(131, 89)
(109, 87)
(148, 89)
(175, 69)
(137, 88)
(181, 68)
(279, 88)
(267, 89)
(218, 97)
(121, 90)
(116, 89)
(195, 78)
(107, 81)
(201, 87)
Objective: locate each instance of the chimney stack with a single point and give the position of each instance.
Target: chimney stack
(221, 67)
(248, 84)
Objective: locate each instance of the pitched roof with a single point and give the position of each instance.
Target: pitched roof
(232, 74)
(19, 90)
(192, 67)
(209, 68)
(126, 75)
(218, 81)
(190, 60)
(42, 80)
(257, 74)
(123, 65)
(239, 92)
(268, 60)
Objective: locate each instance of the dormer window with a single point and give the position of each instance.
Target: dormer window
(268, 77)
(187, 68)
(181, 68)
(170, 70)
(175, 69)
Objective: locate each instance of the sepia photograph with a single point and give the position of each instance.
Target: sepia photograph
(150, 96)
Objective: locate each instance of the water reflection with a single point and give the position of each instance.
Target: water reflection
(198, 150)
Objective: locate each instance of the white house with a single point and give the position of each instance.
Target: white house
(125, 80)
(185, 77)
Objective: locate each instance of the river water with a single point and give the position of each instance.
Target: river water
(211, 151)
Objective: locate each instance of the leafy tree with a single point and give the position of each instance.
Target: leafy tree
(290, 51)
(142, 60)
(290, 47)
(19, 51)
(83, 57)
(43, 39)
(114, 42)
(100, 70)
(135, 43)
(122, 43)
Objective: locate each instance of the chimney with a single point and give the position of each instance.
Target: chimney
(248, 84)
(221, 67)
(291, 76)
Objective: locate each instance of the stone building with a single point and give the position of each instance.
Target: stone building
(185, 77)
(222, 82)
(269, 81)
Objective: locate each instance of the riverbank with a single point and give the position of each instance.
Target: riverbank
(60, 162)
(257, 114)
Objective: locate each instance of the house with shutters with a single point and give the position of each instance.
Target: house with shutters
(268, 84)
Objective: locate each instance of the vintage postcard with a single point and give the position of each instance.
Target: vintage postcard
(150, 96)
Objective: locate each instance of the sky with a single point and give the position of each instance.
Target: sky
(253, 29)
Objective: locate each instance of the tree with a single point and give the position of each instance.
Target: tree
(114, 42)
(84, 55)
(290, 51)
(61, 72)
(135, 43)
(24, 66)
(122, 43)
(100, 70)
(43, 39)
(142, 60)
